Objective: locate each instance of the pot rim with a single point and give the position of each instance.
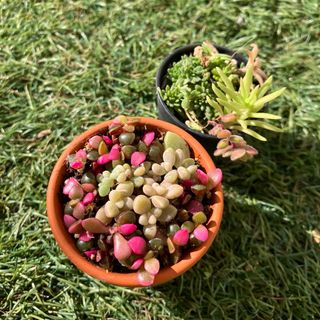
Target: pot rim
(162, 72)
(55, 214)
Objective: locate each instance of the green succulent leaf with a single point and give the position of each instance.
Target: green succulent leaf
(232, 93)
(263, 115)
(218, 92)
(250, 132)
(265, 87)
(264, 125)
(247, 80)
(262, 101)
(216, 106)
(225, 79)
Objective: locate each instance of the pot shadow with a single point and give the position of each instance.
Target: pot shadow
(269, 208)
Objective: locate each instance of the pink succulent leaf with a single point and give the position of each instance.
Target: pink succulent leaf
(137, 158)
(88, 198)
(187, 184)
(114, 153)
(181, 237)
(202, 177)
(103, 159)
(152, 266)
(81, 155)
(76, 165)
(76, 192)
(79, 210)
(88, 187)
(68, 184)
(76, 227)
(86, 236)
(145, 278)
(201, 233)
(91, 252)
(121, 247)
(195, 206)
(251, 150)
(94, 142)
(107, 140)
(94, 225)
(137, 264)
(216, 176)
(127, 228)
(148, 138)
(68, 220)
(138, 245)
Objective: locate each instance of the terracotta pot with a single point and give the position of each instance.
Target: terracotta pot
(67, 243)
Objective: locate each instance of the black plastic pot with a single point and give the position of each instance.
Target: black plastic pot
(208, 141)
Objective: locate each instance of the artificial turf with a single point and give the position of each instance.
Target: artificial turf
(66, 65)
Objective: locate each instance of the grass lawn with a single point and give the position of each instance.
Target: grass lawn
(66, 65)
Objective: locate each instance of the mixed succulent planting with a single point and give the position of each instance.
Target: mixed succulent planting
(212, 94)
(136, 199)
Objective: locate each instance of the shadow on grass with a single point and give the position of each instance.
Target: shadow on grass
(263, 263)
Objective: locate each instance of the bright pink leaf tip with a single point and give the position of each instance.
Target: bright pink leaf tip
(216, 176)
(137, 264)
(181, 237)
(137, 244)
(68, 220)
(76, 165)
(201, 232)
(107, 140)
(86, 236)
(121, 247)
(103, 159)
(127, 228)
(152, 266)
(148, 138)
(88, 198)
(114, 153)
(195, 206)
(91, 252)
(137, 158)
(202, 177)
(145, 278)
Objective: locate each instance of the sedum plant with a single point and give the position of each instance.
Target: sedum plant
(234, 101)
(136, 199)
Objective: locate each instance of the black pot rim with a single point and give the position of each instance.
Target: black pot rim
(162, 71)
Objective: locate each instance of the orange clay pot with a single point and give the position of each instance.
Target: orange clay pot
(67, 243)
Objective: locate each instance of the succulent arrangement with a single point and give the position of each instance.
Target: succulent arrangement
(136, 199)
(211, 94)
